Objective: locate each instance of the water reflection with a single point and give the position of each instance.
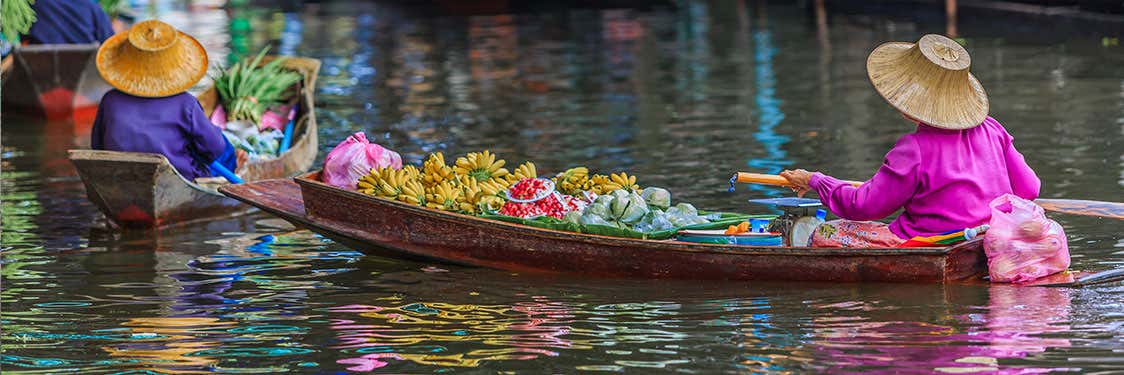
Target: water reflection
(679, 94)
(1008, 323)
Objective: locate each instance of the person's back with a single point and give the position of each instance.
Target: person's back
(69, 22)
(959, 172)
(174, 126)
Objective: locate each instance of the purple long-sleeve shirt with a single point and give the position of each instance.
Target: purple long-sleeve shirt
(944, 179)
(69, 22)
(173, 126)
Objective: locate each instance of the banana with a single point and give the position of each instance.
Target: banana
(413, 192)
(435, 171)
(525, 170)
(444, 196)
(625, 181)
(481, 166)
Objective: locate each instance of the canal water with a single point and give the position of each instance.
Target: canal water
(679, 94)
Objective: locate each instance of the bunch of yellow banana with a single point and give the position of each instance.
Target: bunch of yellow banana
(412, 172)
(573, 181)
(435, 171)
(369, 183)
(525, 170)
(482, 166)
(413, 192)
(384, 182)
(444, 196)
(602, 184)
(625, 181)
(480, 196)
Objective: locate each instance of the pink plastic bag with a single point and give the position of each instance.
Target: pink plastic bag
(353, 158)
(218, 117)
(1022, 244)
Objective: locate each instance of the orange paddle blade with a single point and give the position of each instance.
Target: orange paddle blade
(1112, 210)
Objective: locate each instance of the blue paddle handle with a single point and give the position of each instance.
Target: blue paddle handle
(287, 139)
(226, 173)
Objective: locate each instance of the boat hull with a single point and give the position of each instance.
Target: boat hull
(53, 81)
(144, 191)
(397, 229)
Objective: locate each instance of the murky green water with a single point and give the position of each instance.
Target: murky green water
(680, 95)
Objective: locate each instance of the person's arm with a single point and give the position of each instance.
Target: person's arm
(1024, 182)
(206, 139)
(886, 192)
(103, 26)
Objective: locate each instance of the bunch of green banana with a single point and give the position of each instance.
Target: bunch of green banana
(573, 181)
(525, 170)
(16, 17)
(482, 166)
(435, 171)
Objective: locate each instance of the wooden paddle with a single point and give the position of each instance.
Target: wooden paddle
(1111, 210)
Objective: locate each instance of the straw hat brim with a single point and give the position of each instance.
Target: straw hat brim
(938, 96)
(152, 74)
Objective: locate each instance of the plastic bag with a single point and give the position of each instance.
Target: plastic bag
(658, 197)
(1022, 244)
(353, 158)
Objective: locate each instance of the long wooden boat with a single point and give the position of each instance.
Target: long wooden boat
(397, 229)
(139, 190)
(52, 81)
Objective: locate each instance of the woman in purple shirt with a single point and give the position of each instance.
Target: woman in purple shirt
(150, 66)
(943, 174)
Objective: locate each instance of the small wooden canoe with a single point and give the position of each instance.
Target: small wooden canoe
(52, 81)
(139, 190)
(397, 229)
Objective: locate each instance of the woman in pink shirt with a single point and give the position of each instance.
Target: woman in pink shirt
(944, 174)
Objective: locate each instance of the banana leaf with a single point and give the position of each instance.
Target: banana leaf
(726, 219)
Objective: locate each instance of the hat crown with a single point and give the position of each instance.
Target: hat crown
(152, 35)
(944, 52)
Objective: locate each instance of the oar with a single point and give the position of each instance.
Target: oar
(1111, 210)
(1082, 279)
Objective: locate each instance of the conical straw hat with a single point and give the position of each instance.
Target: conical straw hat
(929, 81)
(152, 59)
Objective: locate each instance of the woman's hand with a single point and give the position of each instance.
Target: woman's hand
(800, 179)
(241, 156)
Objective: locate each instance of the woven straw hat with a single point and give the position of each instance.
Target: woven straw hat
(152, 59)
(929, 81)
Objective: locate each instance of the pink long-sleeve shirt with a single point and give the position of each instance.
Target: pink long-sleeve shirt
(944, 179)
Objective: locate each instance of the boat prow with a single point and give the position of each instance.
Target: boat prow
(398, 229)
(53, 81)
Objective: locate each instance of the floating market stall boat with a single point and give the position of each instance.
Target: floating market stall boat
(400, 229)
(53, 81)
(139, 190)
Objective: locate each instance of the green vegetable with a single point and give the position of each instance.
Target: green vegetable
(16, 17)
(248, 88)
(109, 6)
(658, 197)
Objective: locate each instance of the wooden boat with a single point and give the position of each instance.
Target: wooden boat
(397, 229)
(139, 190)
(53, 81)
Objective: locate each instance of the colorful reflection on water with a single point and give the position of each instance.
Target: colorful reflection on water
(680, 94)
